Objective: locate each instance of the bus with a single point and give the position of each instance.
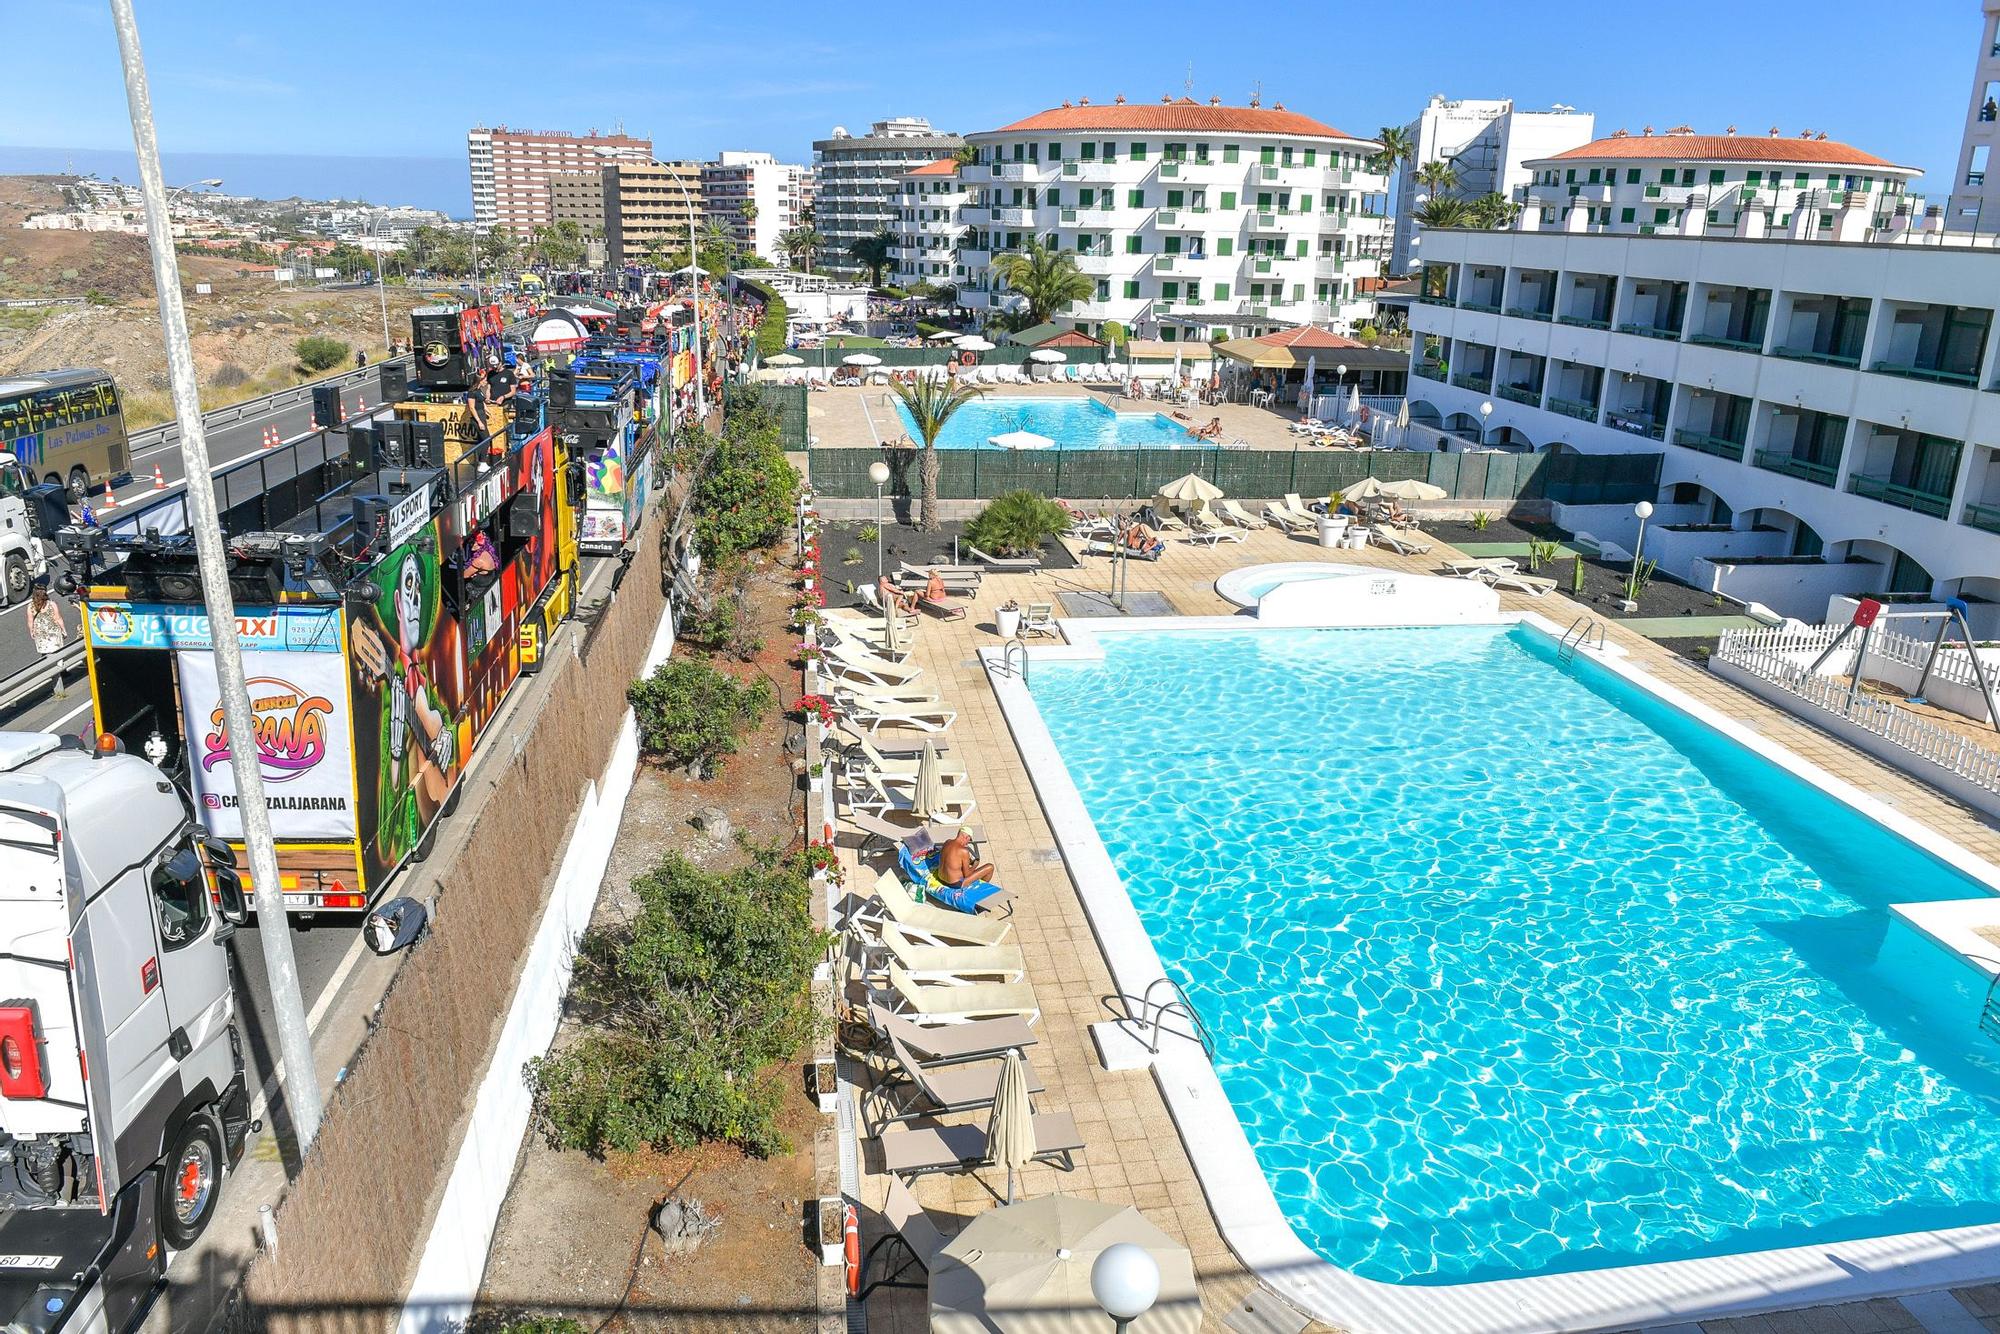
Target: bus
(66, 427)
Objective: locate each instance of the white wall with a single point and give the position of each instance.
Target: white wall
(1798, 591)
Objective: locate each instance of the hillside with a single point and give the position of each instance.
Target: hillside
(244, 329)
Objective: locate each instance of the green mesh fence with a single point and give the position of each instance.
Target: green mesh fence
(1006, 354)
(1133, 474)
(790, 401)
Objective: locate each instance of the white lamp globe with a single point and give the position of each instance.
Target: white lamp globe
(1125, 1280)
(1486, 409)
(1643, 510)
(878, 473)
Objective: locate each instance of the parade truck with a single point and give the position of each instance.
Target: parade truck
(599, 412)
(31, 513)
(123, 1102)
(382, 629)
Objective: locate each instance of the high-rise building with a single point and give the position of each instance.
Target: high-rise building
(858, 179)
(930, 217)
(511, 168)
(650, 201)
(1191, 218)
(1488, 143)
(578, 197)
(755, 198)
(1975, 190)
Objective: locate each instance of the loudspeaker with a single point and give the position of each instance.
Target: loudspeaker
(153, 578)
(326, 406)
(395, 382)
(524, 515)
(371, 522)
(562, 390)
(440, 357)
(362, 442)
(257, 583)
(48, 509)
(426, 444)
(527, 414)
(392, 445)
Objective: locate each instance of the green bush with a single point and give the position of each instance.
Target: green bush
(743, 495)
(687, 1005)
(771, 325)
(317, 352)
(688, 711)
(1016, 523)
(541, 1324)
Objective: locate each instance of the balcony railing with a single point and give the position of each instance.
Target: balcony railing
(1479, 384)
(1483, 307)
(1570, 407)
(1637, 423)
(1986, 518)
(1264, 221)
(1170, 170)
(1717, 445)
(1529, 313)
(1717, 340)
(1516, 394)
(1782, 461)
(1267, 173)
(1902, 497)
(1583, 321)
(1165, 263)
(1915, 372)
(1650, 331)
(1820, 358)
(1428, 370)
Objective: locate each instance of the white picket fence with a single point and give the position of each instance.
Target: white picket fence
(1784, 658)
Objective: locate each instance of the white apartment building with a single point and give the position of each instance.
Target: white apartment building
(1803, 186)
(1192, 218)
(1489, 143)
(857, 180)
(510, 170)
(755, 197)
(930, 217)
(1975, 190)
(1828, 414)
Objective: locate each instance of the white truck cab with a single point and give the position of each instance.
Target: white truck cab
(30, 514)
(122, 1098)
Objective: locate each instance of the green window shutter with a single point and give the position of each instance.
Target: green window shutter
(1139, 151)
(1131, 287)
(1687, 176)
(1666, 176)
(1055, 196)
(1867, 183)
(1569, 177)
(1311, 155)
(1055, 152)
(1712, 216)
(1086, 197)
(1110, 151)
(1715, 175)
(1229, 152)
(1832, 181)
(1173, 245)
(1089, 150)
(1135, 198)
(1305, 203)
(1628, 215)
(1659, 215)
(1595, 174)
(1228, 200)
(1799, 181)
(1631, 176)
(1222, 291)
(1225, 245)
(1323, 291)
(1263, 201)
(1132, 245)
(1754, 178)
(1267, 155)
(1302, 252)
(1298, 291)
(1170, 289)
(1174, 198)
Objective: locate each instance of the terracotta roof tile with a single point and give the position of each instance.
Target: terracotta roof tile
(1722, 148)
(1309, 337)
(944, 166)
(1183, 115)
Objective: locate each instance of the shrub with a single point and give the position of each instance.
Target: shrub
(870, 533)
(1016, 522)
(1369, 334)
(1576, 576)
(688, 1003)
(708, 626)
(1541, 553)
(689, 712)
(1481, 521)
(852, 556)
(743, 495)
(228, 376)
(771, 324)
(317, 352)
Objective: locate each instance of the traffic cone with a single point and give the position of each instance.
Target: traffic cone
(110, 501)
(270, 437)
(343, 414)
(361, 403)
(159, 479)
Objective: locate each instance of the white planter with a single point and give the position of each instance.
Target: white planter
(1008, 621)
(832, 1231)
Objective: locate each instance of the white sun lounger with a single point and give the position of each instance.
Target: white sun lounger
(1533, 585)
(1211, 530)
(1474, 569)
(1297, 509)
(948, 1004)
(879, 798)
(909, 1151)
(1241, 517)
(938, 926)
(1286, 520)
(977, 1039)
(866, 667)
(899, 766)
(1404, 542)
(955, 965)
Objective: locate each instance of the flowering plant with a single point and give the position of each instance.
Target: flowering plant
(816, 706)
(822, 857)
(810, 651)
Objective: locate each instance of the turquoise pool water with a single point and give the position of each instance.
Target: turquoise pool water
(1073, 423)
(1513, 971)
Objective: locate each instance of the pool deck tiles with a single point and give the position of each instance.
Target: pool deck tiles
(1134, 1154)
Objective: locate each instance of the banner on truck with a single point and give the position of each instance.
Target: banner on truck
(184, 626)
(303, 750)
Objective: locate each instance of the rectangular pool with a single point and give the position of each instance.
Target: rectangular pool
(1073, 423)
(1515, 969)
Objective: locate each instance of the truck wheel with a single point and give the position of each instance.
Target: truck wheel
(192, 1181)
(18, 580)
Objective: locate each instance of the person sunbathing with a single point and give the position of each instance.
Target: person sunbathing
(1137, 538)
(934, 589)
(956, 866)
(893, 598)
(1212, 431)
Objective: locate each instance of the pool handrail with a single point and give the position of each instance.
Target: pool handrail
(1579, 635)
(1177, 1001)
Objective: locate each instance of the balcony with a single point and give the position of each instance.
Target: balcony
(1583, 322)
(1090, 169)
(1902, 497)
(1478, 384)
(1986, 518)
(1428, 370)
(1529, 313)
(1181, 219)
(1637, 423)
(1329, 266)
(1781, 461)
(1265, 263)
(1166, 263)
(1717, 340)
(1013, 217)
(1093, 264)
(1915, 372)
(1266, 174)
(1569, 407)
(1170, 171)
(1483, 307)
(1818, 358)
(1710, 444)
(1650, 331)
(1515, 394)
(1265, 222)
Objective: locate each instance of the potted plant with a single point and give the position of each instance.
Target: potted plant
(1008, 619)
(832, 1230)
(823, 1082)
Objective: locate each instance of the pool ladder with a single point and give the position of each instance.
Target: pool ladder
(1989, 1010)
(1580, 633)
(1176, 1002)
(1007, 658)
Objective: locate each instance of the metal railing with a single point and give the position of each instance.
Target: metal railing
(1768, 656)
(265, 406)
(36, 681)
(1902, 497)
(1177, 1002)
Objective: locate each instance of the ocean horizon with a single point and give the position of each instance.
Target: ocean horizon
(441, 183)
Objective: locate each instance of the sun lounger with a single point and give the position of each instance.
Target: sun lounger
(894, 832)
(961, 1087)
(943, 1044)
(939, 926)
(874, 712)
(949, 1004)
(912, 1150)
(875, 758)
(1213, 530)
(1006, 564)
(843, 660)
(919, 867)
(1098, 548)
(951, 574)
(1039, 618)
(1473, 569)
(1286, 520)
(1404, 542)
(1533, 585)
(951, 964)
(1239, 516)
(910, 1230)
(875, 645)
(880, 797)
(944, 611)
(1297, 509)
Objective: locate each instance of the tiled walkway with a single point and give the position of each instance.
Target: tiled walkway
(844, 416)
(1134, 1154)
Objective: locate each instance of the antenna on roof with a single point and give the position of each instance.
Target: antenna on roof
(1187, 84)
(1821, 135)
(1257, 93)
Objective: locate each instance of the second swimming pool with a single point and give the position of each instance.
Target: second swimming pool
(1519, 970)
(1073, 423)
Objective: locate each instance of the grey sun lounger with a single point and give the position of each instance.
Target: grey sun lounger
(910, 1228)
(936, 1044)
(1006, 564)
(961, 1087)
(892, 833)
(909, 1151)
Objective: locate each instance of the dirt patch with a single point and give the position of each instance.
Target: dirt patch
(1497, 529)
(573, 1237)
(900, 543)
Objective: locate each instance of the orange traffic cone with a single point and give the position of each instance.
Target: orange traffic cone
(110, 501)
(361, 403)
(270, 437)
(343, 414)
(159, 479)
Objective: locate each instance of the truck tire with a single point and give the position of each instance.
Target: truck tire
(17, 579)
(190, 1181)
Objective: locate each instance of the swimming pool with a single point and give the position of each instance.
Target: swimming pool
(1517, 972)
(1073, 423)
(1247, 585)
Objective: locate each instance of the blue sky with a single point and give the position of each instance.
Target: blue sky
(372, 78)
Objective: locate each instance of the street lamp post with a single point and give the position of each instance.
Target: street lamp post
(1644, 511)
(694, 282)
(878, 473)
(381, 292)
(1125, 1280)
(1485, 417)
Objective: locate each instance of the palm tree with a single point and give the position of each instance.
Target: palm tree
(800, 244)
(966, 156)
(1397, 148)
(1439, 177)
(1493, 212)
(872, 252)
(931, 401)
(1047, 278)
(1435, 212)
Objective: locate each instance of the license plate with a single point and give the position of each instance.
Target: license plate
(29, 1261)
(298, 901)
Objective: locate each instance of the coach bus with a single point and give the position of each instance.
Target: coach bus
(66, 427)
